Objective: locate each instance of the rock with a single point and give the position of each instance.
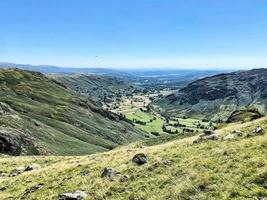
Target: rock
(258, 130)
(212, 137)
(233, 135)
(204, 137)
(2, 175)
(33, 189)
(140, 159)
(16, 172)
(129, 150)
(109, 173)
(229, 137)
(77, 195)
(125, 178)
(208, 132)
(4, 108)
(32, 166)
(237, 133)
(3, 188)
(13, 142)
(36, 123)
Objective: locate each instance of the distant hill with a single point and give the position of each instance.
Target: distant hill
(217, 97)
(39, 115)
(101, 89)
(148, 78)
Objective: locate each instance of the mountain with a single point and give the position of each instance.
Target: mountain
(217, 97)
(227, 168)
(39, 115)
(148, 78)
(100, 88)
(50, 69)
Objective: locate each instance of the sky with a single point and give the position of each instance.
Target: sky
(135, 33)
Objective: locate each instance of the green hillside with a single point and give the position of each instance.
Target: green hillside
(41, 116)
(227, 168)
(217, 97)
(101, 89)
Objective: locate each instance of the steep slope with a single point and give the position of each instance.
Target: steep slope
(223, 169)
(41, 116)
(101, 89)
(216, 97)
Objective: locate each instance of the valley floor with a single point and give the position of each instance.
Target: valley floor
(180, 169)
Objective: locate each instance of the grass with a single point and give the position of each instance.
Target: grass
(140, 115)
(178, 169)
(154, 126)
(66, 127)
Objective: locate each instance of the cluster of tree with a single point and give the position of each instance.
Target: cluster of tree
(155, 133)
(139, 122)
(165, 129)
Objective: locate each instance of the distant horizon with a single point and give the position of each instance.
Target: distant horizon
(134, 68)
(188, 34)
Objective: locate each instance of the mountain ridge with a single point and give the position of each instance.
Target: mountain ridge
(60, 121)
(220, 94)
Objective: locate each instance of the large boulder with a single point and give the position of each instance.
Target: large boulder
(140, 159)
(15, 142)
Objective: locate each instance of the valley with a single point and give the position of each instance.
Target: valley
(133, 100)
(101, 137)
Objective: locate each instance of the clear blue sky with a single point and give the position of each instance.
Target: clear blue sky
(135, 33)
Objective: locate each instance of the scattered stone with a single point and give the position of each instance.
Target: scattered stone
(258, 130)
(32, 166)
(129, 150)
(140, 159)
(33, 189)
(204, 137)
(125, 178)
(237, 132)
(212, 137)
(261, 198)
(208, 132)
(229, 137)
(3, 188)
(123, 166)
(109, 173)
(2, 175)
(37, 123)
(77, 195)
(233, 135)
(4, 108)
(16, 172)
(234, 194)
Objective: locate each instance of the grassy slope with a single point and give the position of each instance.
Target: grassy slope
(65, 127)
(98, 88)
(235, 169)
(217, 97)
